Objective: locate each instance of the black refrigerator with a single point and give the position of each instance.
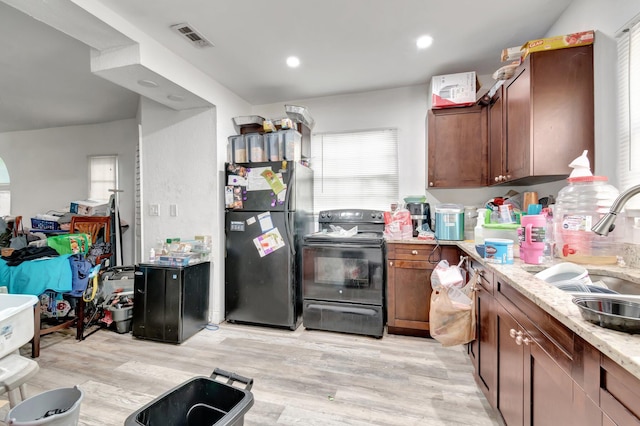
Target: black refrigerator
(269, 208)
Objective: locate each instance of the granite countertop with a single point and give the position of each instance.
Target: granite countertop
(622, 348)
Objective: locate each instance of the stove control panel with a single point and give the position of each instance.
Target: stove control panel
(351, 216)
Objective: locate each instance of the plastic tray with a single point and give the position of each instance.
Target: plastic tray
(199, 401)
(300, 114)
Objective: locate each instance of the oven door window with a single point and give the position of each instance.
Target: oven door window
(347, 274)
(342, 272)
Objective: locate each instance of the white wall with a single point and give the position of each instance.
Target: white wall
(406, 109)
(607, 17)
(48, 168)
(179, 167)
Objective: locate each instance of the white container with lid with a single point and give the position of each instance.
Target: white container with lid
(450, 222)
(498, 250)
(579, 206)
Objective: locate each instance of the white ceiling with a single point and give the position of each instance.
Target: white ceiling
(345, 46)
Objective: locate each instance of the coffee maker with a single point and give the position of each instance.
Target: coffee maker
(420, 214)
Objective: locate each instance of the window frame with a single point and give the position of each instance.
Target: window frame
(111, 183)
(336, 169)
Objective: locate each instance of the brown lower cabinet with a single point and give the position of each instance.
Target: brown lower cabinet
(535, 371)
(409, 268)
(483, 350)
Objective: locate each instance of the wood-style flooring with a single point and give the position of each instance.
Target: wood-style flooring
(301, 377)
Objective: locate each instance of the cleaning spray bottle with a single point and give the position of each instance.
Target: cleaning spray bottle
(478, 231)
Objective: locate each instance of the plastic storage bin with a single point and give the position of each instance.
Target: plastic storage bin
(16, 321)
(199, 401)
(579, 206)
(292, 144)
(57, 407)
(507, 231)
(238, 149)
(255, 144)
(122, 318)
(275, 146)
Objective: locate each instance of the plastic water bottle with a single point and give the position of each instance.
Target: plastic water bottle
(478, 231)
(578, 207)
(152, 255)
(549, 242)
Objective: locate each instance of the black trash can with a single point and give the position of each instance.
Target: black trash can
(198, 402)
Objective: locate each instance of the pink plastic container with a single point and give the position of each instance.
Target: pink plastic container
(532, 234)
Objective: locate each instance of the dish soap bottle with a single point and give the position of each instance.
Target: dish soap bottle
(478, 231)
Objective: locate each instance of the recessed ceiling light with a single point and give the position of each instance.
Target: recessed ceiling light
(147, 83)
(293, 61)
(424, 41)
(176, 98)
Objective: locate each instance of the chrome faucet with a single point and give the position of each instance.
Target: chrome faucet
(605, 225)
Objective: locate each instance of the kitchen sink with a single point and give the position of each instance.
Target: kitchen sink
(627, 288)
(619, 285)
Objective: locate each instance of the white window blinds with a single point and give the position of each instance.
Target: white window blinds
(5, 190)
(629, 107)
(103, 176)
(355, 169)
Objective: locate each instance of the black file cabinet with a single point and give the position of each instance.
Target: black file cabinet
(171, 303)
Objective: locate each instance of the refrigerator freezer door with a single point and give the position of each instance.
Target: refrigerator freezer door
(259, 186)
(260, 285)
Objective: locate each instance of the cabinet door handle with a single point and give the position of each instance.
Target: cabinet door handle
(414, 252)
(526, 341)
(515, 334)
(390, 263)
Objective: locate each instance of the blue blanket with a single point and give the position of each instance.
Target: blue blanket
(37, 276)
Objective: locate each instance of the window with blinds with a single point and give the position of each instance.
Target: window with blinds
(103, 176)
(629, 107)
(355, 169)
(5, 190)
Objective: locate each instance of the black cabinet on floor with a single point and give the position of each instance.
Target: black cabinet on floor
(171, 303)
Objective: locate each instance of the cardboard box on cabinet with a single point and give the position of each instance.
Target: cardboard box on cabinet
(454, 90)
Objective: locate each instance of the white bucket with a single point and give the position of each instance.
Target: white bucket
(62, 405)
(565, 273)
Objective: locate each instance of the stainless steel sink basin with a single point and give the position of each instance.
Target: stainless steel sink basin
(629, 289)
(616, 284)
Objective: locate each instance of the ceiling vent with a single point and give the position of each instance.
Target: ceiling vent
(191, 34)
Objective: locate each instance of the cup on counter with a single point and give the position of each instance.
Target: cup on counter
(527, 199)
(534, 209)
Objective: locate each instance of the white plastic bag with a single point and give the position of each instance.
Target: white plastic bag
(447, 276)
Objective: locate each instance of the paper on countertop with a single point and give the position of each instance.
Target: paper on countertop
(338, 231)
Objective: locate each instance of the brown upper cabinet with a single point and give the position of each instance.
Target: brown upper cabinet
(536, 124)
(457, 148)
(542, 118)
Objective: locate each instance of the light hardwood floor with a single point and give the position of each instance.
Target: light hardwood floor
(301, 377)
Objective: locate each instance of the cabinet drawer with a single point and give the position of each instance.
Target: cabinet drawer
(556, 340)
(486, 276)
(410, 252)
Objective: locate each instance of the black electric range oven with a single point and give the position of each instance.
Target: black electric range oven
(343, 277)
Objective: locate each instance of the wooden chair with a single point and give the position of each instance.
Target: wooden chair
(92, 225)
